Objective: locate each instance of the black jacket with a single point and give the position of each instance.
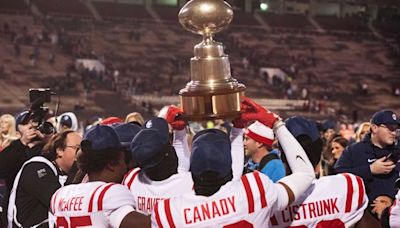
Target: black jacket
(13, 157)
(11, 160)
(36, 185)
(357, 158)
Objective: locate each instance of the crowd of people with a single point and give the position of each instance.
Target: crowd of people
(256, 170)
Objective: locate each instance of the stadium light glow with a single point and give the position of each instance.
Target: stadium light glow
(263, 6)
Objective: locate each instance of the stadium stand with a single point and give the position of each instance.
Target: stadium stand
(353, 23)
(71, 8)
(294, 21)
(14, 6)
(136, 48)
(110, 10)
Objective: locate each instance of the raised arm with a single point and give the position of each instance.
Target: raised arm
(237, 152)
(302, 169)
(180, 140)
(180, 143)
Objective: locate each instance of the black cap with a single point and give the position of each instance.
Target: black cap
(148, 148)
(211, 151)
(387, 117)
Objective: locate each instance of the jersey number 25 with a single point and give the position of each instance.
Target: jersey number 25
(74, 222)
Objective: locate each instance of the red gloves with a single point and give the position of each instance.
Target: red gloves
(252, 111)
(172, 118)
(239, 123)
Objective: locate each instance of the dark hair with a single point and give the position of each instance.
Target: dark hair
(57, 141)
(209, 182)
(166, 168)
(90, 161)
(312, 149)
(342, 141)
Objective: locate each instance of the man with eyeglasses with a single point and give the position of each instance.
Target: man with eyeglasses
(39, 178)
(375, 160)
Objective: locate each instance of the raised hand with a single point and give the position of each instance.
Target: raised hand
(252, 111)
(173, 119)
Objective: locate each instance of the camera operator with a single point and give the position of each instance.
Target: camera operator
(11, 159)
(35, 133)
(39, 178)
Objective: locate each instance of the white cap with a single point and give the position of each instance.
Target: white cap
(260, 133)
(70, 116)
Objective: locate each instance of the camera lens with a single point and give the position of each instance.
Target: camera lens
(46, 128)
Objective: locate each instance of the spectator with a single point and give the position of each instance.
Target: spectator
(135, 117)
(370, 160)
(396, 91)
(346, 131)
(362, 130)
(111, 120)
(338, 145)
(67, 121)
(7, 135)
(363, 88)
(52, 58)
(304, 93)
(8, 130)
(32, 60)
(39, 178)
(115, 79)
(258, 142)
(328, 128)
(245, 62)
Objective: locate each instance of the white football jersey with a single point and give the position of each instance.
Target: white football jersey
(331, 201)
(92, 204)
(147, 193)
(395, 212)
(246, 202)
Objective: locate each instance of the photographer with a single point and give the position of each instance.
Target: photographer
(35, 133)
(39, 178)
(11, 158)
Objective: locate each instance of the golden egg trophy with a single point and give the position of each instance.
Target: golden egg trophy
(212, 93)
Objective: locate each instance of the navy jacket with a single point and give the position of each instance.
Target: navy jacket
(357, 158)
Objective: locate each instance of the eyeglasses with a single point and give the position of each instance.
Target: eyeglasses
(76, 148)
(392, 128)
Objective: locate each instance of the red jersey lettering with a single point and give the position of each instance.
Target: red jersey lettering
(209, 211)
